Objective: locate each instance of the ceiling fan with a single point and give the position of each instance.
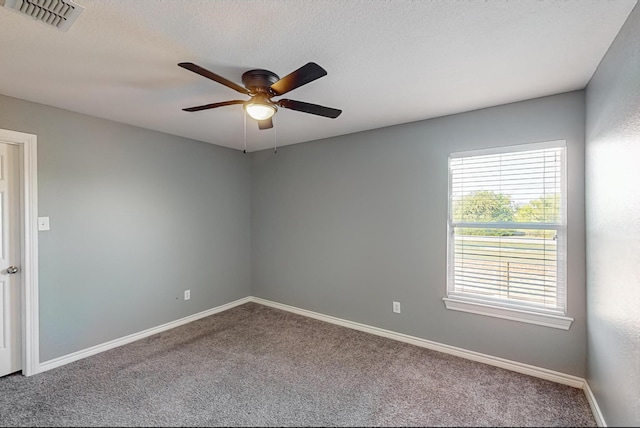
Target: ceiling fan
(261, 86)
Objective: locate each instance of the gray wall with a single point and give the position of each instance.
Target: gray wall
(137, 217)
(613, 228)
(341, 226)
(346, 225)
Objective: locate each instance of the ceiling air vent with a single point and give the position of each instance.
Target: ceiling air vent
(55, 13)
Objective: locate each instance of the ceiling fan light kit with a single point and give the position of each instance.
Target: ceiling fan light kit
(260, 111)
(260, 108)
(262, 86)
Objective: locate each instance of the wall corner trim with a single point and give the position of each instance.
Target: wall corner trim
(595, 409)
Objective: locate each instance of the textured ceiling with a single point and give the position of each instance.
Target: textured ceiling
(388, 62)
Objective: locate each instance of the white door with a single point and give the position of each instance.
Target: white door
(10, 287)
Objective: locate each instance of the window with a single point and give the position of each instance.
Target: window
(507, 233)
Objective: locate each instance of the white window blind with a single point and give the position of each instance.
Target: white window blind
(507, 227)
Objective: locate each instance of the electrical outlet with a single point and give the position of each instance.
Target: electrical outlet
(187, 294)
(396, 307)
(43, 223)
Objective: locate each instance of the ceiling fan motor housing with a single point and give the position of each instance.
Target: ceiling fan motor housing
(259, 80)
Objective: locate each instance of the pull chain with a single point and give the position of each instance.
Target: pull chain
(275, 136)
(245, 132)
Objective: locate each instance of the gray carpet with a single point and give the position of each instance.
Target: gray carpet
(257, 366)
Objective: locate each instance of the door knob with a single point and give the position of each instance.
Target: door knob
(12, 269)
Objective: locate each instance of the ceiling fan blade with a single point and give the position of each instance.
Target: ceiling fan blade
(265, 124)
(214, 105)
(310, 108)
(305, 74)
(210, 75)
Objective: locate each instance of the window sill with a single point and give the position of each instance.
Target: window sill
(521, 315)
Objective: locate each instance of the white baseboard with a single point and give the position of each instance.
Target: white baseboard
(515, 366)
(78, 355)
(539, 372)
(597, 414)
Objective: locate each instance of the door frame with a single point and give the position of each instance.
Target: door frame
(27, 145)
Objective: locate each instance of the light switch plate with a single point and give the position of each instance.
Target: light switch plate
(396, 307)
(43, 223)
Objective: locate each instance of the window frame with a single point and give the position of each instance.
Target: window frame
(504, 308)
